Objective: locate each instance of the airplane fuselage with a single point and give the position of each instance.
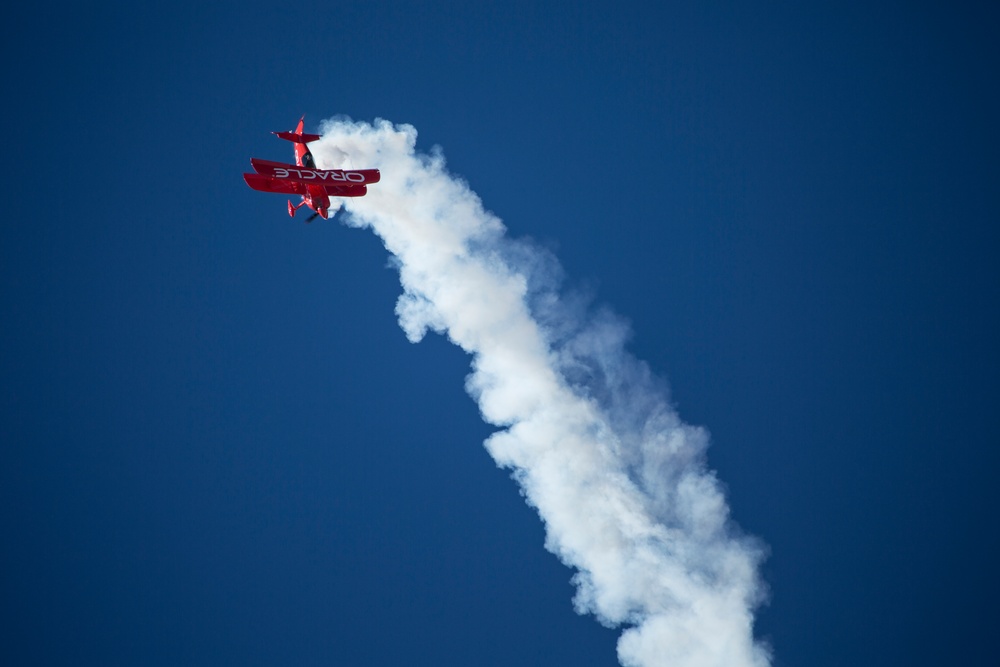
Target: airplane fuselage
(316, 199)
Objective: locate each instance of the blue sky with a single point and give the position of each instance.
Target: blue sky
(219, 447)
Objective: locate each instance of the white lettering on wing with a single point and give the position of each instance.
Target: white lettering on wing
(320, 174)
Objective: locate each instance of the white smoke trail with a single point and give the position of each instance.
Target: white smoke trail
(619, 481)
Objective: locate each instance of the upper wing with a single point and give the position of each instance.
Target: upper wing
(266, 184)
(345, 190)
(315, 176)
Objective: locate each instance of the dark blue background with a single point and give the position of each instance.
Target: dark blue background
(219, 448)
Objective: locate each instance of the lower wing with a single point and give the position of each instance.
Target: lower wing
(315, 176)
(289, 187)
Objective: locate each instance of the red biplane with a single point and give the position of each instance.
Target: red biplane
(315, 186)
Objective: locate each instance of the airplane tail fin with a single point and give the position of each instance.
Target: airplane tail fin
(297, 135)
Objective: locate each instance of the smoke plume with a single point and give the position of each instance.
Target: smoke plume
(618, 480)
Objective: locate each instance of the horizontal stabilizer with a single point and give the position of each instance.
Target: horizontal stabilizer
(298, 137)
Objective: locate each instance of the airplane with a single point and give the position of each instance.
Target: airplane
(315, 186)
